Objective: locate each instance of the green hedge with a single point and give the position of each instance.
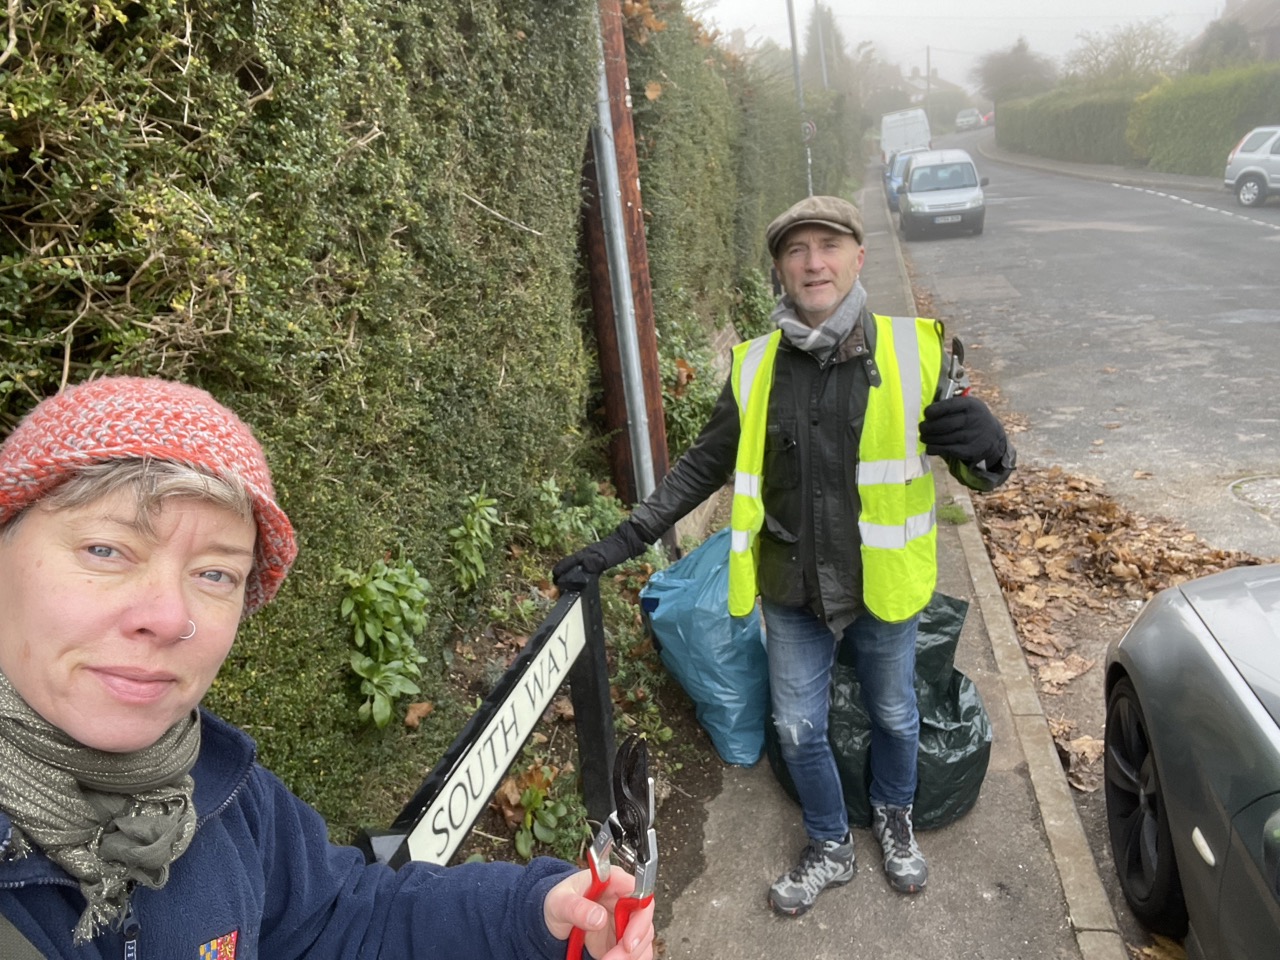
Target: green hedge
(686, 133)
(1189, 125)
(1084, 126)
(358, 225)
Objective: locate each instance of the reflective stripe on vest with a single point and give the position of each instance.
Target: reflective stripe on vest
(752, 379)
(897, 523)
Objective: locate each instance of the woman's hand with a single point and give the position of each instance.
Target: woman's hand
(566, 908)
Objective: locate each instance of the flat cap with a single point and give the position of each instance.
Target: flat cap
(834, 212)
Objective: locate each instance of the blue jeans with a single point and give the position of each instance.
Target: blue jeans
(802, 651)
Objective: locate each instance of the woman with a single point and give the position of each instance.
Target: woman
(138, 525)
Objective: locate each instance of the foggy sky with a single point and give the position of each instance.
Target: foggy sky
(957, 32)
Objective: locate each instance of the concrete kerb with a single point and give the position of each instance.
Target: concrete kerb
(1092, 918)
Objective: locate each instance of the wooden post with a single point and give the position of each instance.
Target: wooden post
(615, 58)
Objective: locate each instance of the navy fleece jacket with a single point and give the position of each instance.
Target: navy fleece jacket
(261, 878)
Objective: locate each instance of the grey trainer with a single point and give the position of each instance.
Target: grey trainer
(826, 863)
(903, 862)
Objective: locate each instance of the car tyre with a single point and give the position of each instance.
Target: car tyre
(908, 232)
(1251, 192)
(979, 224)
(1137, 819)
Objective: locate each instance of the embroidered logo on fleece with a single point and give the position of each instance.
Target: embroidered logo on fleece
(224, 948)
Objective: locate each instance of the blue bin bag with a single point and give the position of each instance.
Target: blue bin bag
(718, 659)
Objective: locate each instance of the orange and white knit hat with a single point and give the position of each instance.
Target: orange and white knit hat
(125, 418)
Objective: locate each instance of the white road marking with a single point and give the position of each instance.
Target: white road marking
(1201, 206)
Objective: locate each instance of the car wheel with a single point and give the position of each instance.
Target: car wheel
(1137, 819)
(1251, 192)
(978, 225)
(905, 223)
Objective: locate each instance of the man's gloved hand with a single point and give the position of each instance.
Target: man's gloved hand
(965, 429)
(623, 544)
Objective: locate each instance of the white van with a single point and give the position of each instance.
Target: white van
(904, 130)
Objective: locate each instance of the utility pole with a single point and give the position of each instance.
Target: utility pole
(928, 79)
(795, 67)
(618, 268)
(822, 44)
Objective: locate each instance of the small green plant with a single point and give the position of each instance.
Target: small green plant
(386, 607)
(519, 610)
(952, 513)
(541, 818)
(560, 524)
(470, 540)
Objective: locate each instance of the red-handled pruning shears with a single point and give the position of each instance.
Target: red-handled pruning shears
(628, 834)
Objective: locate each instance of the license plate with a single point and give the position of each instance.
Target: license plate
(953, 218)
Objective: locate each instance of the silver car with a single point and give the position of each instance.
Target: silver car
(1253, 167)
(1193, 763)
(941, 190)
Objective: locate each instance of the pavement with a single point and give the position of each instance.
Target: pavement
(1013, 879)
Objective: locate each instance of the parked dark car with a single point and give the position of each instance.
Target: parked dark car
(1192, 768)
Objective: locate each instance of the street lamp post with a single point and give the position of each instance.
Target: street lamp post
(795, 66)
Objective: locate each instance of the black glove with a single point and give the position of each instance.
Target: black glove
(963, 429)
(623, 544)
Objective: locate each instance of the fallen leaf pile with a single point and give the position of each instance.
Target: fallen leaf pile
(1162, 949)
(1059, 537)
(1065, 551)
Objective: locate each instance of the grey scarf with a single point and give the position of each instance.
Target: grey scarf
(109, 819)
(823, 340)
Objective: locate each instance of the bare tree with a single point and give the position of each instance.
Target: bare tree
(1135, 53)
(1017, 72)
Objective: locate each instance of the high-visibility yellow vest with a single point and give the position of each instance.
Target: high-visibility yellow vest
(897, 523)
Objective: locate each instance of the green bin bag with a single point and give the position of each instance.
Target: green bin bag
(955, 732)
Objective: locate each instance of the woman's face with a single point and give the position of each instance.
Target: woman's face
(92, 612)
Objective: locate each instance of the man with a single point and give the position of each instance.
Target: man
(821, 428)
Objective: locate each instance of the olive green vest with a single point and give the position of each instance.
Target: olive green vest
(897, 522)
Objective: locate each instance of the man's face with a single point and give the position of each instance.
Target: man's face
(818, 267)
(95, 611)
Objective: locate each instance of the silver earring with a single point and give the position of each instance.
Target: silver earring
(191, 631)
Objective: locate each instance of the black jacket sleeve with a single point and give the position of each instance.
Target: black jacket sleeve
(703, 469)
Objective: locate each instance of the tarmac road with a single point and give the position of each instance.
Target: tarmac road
(1131, 318)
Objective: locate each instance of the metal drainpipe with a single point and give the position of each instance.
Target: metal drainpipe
(624, 309)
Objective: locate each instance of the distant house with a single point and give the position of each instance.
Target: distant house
(889, 76)
(918, 87)
(1262, 19)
